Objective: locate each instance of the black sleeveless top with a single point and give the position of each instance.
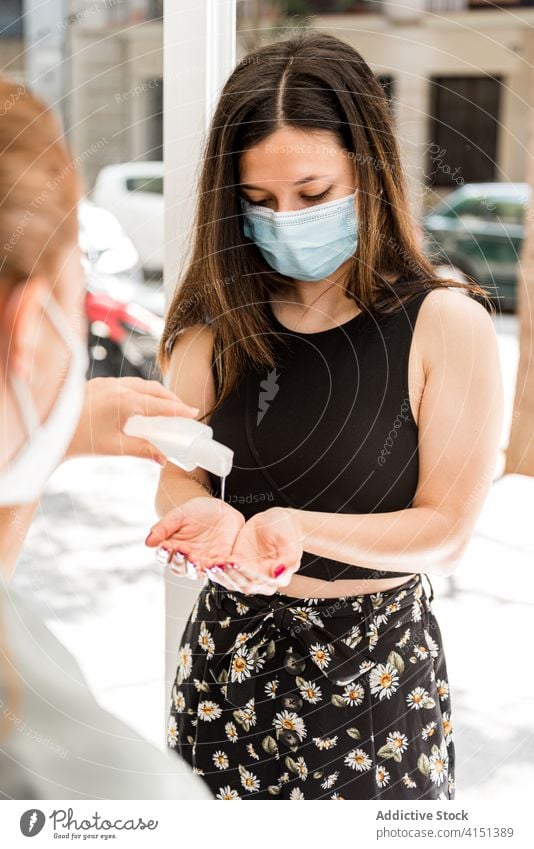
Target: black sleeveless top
(330, 429)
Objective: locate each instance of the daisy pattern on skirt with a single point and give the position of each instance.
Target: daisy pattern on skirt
(185, 662)
(439, 763)
(242, 665)
(330, 780)
(325, 743)
(220, 759)
(178, 700)
(397, 741)
(353, 695)
(417, 742)
(384, 680)
(208, 710)
(417, 698)
(227, 793)
(421, 652)
(205, 641)
(246, 716)
(302, 769)
(307, 614)
(432, 645)
(310, 692)
(172, 732)
(443, 689)
(296, 793)
(358, 760)
(320, 656)
(382, 776)
(429, 730)
(271, 687)
(231, 732)
(447, 727)
(404, 640)
(372, 633)
(288, 721)
(353, 637)
(249, 781)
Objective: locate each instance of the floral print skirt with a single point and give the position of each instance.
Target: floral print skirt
(344, 698)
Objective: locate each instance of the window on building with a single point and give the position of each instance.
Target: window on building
(11, 19)
(155, 136)
(388, 84)
(325, 7)
(152, 185)
(464, 120)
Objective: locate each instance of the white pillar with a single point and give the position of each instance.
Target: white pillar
(199, 54)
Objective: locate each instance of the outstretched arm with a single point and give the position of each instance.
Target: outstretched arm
(108, 403)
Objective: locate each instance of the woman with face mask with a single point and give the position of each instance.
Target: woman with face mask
(361, 395)
(55, 740)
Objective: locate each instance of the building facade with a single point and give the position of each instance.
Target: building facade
(458, 72)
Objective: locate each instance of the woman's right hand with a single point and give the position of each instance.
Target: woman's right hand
(204, 530)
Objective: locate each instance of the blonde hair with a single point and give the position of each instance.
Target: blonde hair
(39, 187)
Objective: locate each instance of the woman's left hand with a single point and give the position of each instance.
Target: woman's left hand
(109, 402)
(267, 552)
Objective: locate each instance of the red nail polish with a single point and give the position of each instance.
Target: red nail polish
(279, 571)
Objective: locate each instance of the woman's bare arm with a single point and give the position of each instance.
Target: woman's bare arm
(190, 376)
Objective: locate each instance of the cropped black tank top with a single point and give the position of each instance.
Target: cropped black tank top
(329, 429)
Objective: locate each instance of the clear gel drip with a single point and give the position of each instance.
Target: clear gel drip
(223, 484)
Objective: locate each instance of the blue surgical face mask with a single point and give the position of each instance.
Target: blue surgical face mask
(308, 244)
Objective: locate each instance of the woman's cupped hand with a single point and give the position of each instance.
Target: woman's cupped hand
(208, 537)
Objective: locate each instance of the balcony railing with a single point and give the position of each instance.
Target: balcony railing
(101, 13)
(396, 9)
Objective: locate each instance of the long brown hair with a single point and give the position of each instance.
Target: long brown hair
(311, 82)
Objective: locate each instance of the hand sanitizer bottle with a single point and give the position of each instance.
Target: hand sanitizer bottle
(184, 442)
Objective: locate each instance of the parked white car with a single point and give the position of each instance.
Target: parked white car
(133, 192)
(106, 248)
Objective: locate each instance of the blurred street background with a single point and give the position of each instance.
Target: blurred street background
(458, 76)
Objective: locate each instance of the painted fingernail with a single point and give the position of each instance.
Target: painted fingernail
(279, 571)
(162, 555)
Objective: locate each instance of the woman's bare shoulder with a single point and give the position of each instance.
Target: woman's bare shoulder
(189, 372)
(449, 318)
